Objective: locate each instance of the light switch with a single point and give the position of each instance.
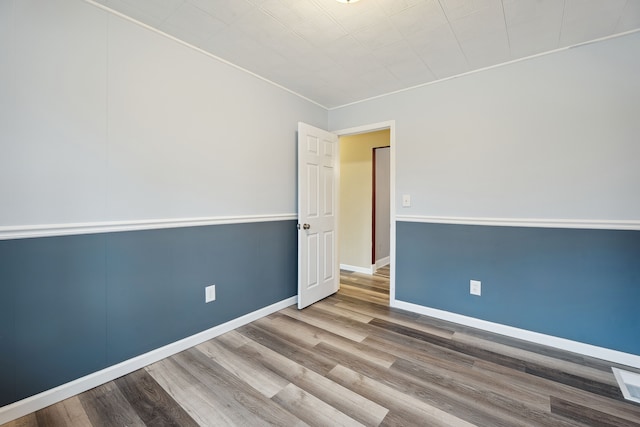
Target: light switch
(406, 200)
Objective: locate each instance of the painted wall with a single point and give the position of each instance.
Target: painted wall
(73, 305)
(582, 285)
(356, 202)
(104, 120)
(549, 138)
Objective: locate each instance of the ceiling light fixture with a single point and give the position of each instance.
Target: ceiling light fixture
(347, 1)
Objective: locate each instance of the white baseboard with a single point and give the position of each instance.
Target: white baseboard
(363, 270)
(614, 356)
(64, 391)
(383, 262)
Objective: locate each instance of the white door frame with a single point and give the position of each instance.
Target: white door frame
(391, 125)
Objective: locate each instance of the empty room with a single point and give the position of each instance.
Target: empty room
(189, 232)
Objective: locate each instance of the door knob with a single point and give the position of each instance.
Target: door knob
(306, 226)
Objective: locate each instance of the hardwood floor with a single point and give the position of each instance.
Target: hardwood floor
(351, 360)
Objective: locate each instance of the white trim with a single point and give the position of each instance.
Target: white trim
(615, 356)
(391, 125)
(202, 51)
(393, 218)
(48, 230)
(479, 70)
(64, 391)
(382, 262)
(363, 270)
(526, 222)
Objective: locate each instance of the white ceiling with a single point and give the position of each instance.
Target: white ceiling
(335, 54)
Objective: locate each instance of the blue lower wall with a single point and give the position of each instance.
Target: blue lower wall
(578, 284)
(74, 305)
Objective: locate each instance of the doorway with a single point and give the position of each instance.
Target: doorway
(359, 236)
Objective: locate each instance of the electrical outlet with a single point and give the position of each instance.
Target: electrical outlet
(475, 287)
(210, 293)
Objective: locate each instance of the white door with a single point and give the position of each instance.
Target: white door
(318, 269)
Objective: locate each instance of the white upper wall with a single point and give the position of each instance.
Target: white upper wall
(105, 120)
(553, 137)
(6, 23)
(101, 120)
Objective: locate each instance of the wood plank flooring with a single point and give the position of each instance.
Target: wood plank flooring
(351, 360)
